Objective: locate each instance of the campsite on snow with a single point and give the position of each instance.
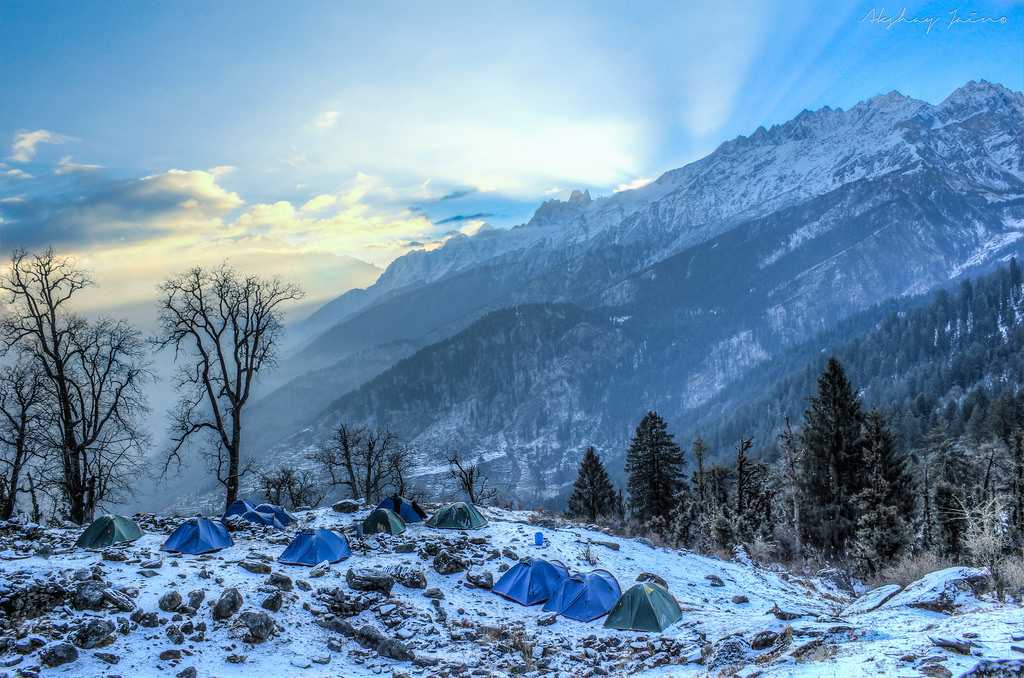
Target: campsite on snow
(463, 593)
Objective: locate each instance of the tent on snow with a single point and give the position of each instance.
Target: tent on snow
(585, 596)
(457, 516)
(312, 547)
(531, 581)
(407, 508)
(383, 520)
(198, 535)
(279, 512)
(644, 607)
(264, 518)
(239, 507)
(107, 530)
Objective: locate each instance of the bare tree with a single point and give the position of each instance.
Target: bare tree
(470, 477)
(790, 444)
(365, 461)
(292, 487)
(92, 372)
(224, 328)
(21, 400)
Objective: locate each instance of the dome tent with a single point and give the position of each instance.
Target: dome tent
(264, 518)
(312, 547)
(457, 516)
(585, 596)
(283, 515)
(409, 510)
(198, 535)
(644, 607)
(383, 520)
(107, 530)
(531, 581)
(238, 508)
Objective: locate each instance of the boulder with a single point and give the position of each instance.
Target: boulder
(273, 602)
(255, 566)
(408, 576)
(369, 637)
(119, 600)
(89, 595)
(480, 578)
(281, 581)
(943, 590)
(347, 506)
(260, 624)
(395, 649)
(370, 580)
(170, 602)
(230, 602)
(651, 577)
(446, 563)
(997, 668)
(58, 654)
(784, 615)
(92, 633)
(871, 600)
(733, 652)
(762, 640)
(196, 598)
(836, 579)
(714, 580)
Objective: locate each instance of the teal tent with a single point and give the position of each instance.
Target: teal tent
(644, 607)
(457, 516)
(383, 520)
(107, 530)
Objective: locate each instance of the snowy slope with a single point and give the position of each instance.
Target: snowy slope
(474, 632)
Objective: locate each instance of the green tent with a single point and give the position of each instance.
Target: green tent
(457, 516)
(644, 607)
(107, 530)
(383, 520)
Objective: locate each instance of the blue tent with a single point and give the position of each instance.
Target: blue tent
(238, 508)
(407, 508)
(312, 547)
(265, 519)
(531, 581)
(585, 595)
(279, 512)
(198, 535)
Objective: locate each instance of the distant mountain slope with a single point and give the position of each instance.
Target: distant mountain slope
(684, 285)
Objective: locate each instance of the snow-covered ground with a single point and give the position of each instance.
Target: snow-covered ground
(471, 631)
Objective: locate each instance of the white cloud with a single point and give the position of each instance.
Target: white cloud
(17, 174)
(24, 147)
(319, 202)
(325, 120)
(65, 165)
(636, 183)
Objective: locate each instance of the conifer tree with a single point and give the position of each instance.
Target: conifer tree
(832, 462)
(654, 463)
(882, 528)
(592, 493)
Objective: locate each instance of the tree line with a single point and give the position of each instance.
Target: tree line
(836, 491)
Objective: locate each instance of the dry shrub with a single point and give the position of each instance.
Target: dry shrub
(1011, 574)
(910, 568)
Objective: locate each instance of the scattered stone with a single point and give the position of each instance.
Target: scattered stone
(106, 657)
(347, 506)
(58, 654)
(509, 553)
(170, 602)
(301, 662)
(370, 580)
(43, 551)
(434, 592)
(998, 668)
(303, 585)
(119, 600)
(407, 547)
(174, 634)
(89, 595)
(943, 590)
(837, 579)
(547, 619)
(188, 672)
(446, 563)
(714, 580)
(169, 655)
(196, 598)
(762, 640)
(935, 671)
(408, 576)
(273, 602)
(645, 541)
(651, 577)
(732, 652)
(261, 625)
(740, 600)
(236, 658)
(92, 633)
(281, 581)
(230, 602)
(152, 564)
(613, 545)
(114, 556)
(149, 574)
(255, 566)
(480, 578)
(782, 614)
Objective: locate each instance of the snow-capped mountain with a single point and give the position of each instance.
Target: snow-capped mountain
(599, 309)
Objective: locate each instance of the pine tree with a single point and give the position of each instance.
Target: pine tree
(654, 463)
(832, 462)
(592, 494)
(882, 530)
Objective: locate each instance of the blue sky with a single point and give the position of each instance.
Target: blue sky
(303, 138)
